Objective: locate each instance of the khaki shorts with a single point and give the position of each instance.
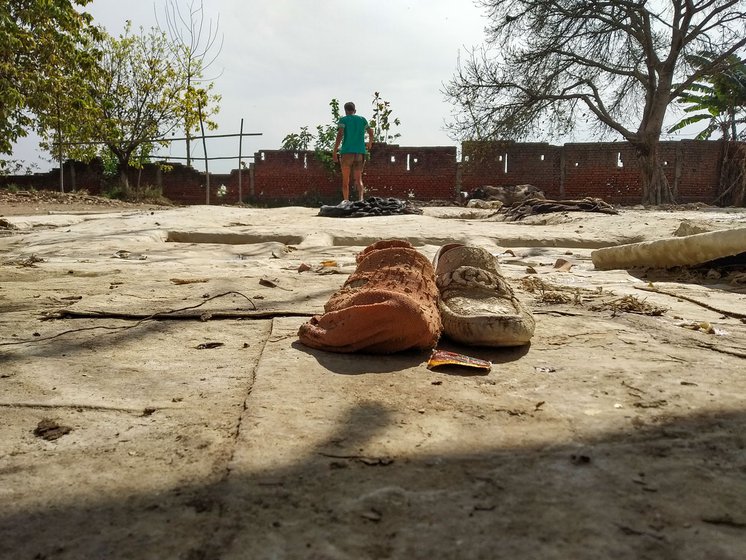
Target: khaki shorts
(355, 161)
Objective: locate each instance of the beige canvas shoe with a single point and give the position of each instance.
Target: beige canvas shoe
(389, 304)
(476, 304)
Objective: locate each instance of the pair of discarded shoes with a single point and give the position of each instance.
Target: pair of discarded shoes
(389, 304)
(397, 300)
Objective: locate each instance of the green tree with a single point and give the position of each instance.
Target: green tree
(138, 96)
(298, 141)
(549, 65)
(41, 44)
(323, 140)
(67, 108)
(718, 99)
(381, 121)
(326, 134)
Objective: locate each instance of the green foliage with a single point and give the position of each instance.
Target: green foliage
(298, 142)
(42, 44)
(138, 90)
(381, 121)
(323, 140)
(16, 167)
(140, 94)
(719, 99)
(109, 162)
(326, 134)
(66, 115)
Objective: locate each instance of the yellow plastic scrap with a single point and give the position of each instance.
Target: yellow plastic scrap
(446, 358)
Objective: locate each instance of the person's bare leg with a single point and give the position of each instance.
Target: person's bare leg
(345, 182)
(358, 174)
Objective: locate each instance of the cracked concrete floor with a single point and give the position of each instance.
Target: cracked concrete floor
(210, 432)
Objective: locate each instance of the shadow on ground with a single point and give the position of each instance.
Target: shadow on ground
(661, 490)
(351, 364)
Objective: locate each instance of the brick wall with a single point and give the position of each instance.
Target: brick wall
(402, 172)
(416, 173)
(509, 163)
(606, 170)
(281, 176)
(697, 169)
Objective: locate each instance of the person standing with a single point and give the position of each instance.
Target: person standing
(351, 154)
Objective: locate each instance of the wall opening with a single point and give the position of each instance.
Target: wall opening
(505, 164)
(619, 162)
(408, 162)
(393, 159)
(541, 157)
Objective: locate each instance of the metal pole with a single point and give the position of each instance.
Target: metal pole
(204, 148)
(62, 169)
(240, 141)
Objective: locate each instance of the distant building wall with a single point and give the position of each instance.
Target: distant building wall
(509, 163)
(605, 170)
(392, 171)
(281, 176)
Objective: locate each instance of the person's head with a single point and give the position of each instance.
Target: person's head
(349, 108)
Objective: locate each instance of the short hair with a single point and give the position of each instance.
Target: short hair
(349, 107)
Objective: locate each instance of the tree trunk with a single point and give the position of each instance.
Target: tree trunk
(188, 149)
(124, 181)
(655, 187)
(123, 158)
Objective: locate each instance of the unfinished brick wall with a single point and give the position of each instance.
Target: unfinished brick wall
(78, 176)
(180, 184)
(696, 168)
(392, 171)
(282, 176)
(509, 163)
(412, 173)
(185, 185)
(606, 170)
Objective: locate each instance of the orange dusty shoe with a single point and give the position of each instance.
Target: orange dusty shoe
(389, 304)
(477, 305)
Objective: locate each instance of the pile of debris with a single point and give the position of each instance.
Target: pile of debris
(373, 206)
(533, 206)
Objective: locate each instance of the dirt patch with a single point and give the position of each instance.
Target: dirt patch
(25, 203)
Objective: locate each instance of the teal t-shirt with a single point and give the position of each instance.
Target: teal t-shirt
(353, 141)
